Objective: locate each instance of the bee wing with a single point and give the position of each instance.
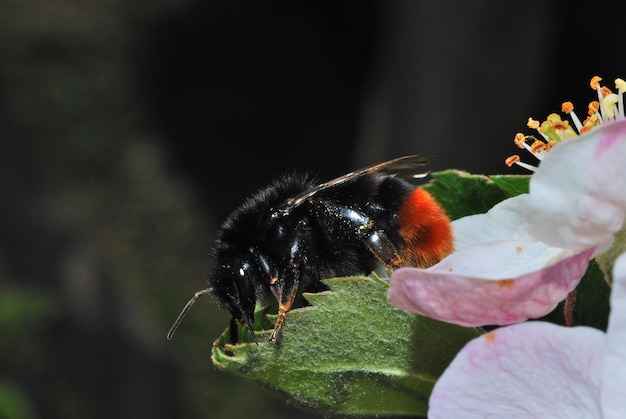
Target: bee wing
(410, 167)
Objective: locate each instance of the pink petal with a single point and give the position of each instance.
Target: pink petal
(577, 197)
(614, 369)
(470, 301)
(530, 370)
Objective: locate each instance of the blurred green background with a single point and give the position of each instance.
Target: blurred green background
(128, 130)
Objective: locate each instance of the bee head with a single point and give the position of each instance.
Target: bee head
(233, 285)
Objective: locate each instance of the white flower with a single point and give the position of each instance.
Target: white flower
(524, 256)
(539, 369)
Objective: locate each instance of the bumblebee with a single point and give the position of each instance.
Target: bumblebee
(293, 233)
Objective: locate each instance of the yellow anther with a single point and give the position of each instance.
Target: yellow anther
(511, 160)
(595, 82)
(537, 146)
(560, 125)
(609, 106)
(585, 128)
(519, 140)
(567, 107)
(532, 123)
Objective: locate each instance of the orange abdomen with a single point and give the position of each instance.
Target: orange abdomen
(426, 230)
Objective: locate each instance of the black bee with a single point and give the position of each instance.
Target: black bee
(292, 234)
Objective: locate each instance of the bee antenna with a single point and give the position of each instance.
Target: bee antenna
(184, 311)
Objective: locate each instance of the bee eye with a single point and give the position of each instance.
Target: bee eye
(244, 269)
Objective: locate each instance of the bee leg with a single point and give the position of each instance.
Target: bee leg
(286, 297)
(233, 331)
(379, 244)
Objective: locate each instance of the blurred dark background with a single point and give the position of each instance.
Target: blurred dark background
(128, 130)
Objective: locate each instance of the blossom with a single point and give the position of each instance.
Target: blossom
(525, 255)
(581, 187)
(539, 369)
(532, 277)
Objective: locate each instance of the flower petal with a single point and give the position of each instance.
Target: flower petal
(469, 300)
(502, 222)
(614, 368)
(533, 369)
(577, 196)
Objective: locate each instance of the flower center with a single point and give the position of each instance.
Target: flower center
(608, 107)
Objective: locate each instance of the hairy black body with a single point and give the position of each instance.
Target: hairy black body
(292, 234)
(261, 251)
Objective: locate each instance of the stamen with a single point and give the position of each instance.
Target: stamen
(515, 159)
(519, 140)
(511, 160)
(595, 85)
(534, 124)
(560, 125)
(563, 130)
(595, 82)
(605, 91)
(568, 108)
(608, 105)
(554, 130)
(620, 85)
(537, 147)
(593, 108)
(590, 122)
(523, 144)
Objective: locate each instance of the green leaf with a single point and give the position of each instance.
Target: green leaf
(592, 305)
(350, 352)
(513, 185)
(462, 194)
